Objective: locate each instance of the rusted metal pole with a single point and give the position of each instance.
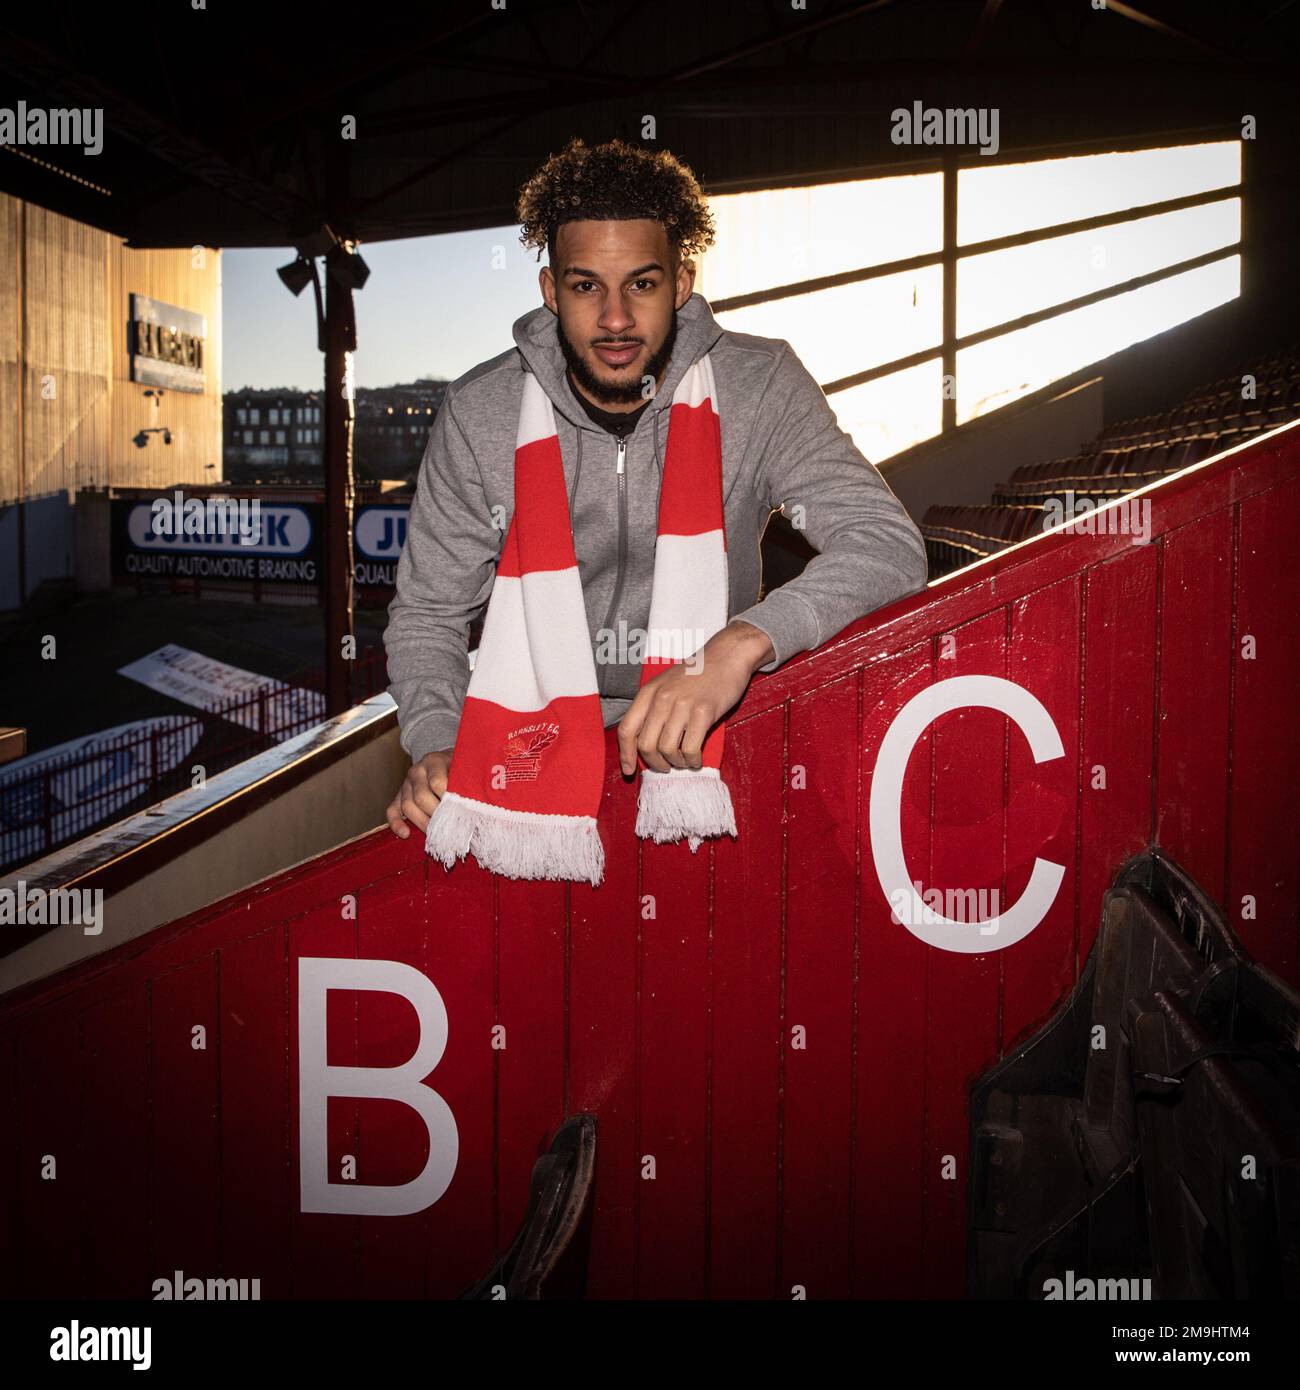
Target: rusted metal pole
(340, 339)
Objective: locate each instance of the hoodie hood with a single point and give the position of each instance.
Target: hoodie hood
(779, 440)
(536, 336)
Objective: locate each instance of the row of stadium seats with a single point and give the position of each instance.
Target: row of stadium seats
(1112, 471)
(1125, 456)
(1226, 403)
(956, 536)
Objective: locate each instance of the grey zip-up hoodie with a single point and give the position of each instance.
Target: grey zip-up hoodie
(781, 449)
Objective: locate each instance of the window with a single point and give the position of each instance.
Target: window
(999, 371)
(279, 436)
(1000, 286)
(1053, 265)
(254, 416)
(1002, 200)
(242, 416)
(1096, 291)
(248, 436)
(833, 325)
(263, 437)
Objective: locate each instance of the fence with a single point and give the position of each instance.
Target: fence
(779, 1065)
(104, 778)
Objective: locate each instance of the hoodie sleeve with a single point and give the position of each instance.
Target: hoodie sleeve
(444, 577)
(870, 551)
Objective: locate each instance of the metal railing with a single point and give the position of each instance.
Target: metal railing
(101, 780)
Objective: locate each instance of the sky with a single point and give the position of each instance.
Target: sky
(433, 307)
(438, 306)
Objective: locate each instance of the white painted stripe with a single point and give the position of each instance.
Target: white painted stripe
(697, 385)
(536, 418)
(542, 614)
(688, 600)
(536, 646)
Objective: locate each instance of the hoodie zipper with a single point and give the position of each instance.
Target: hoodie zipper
(620, 459)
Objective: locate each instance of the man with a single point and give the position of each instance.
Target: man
(618, 329)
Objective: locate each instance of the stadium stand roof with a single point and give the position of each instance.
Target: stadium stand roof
(223, 126)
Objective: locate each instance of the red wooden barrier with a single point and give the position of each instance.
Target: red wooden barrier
(780, 1069)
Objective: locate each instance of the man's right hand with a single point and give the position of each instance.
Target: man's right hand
(418, 796)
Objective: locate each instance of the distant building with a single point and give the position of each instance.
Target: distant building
(278, 435)
(272, 434)
(392, 427)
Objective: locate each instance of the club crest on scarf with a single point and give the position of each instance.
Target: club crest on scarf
(524, 748)
(535, 672)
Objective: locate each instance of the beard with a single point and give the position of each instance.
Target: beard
(628, 392)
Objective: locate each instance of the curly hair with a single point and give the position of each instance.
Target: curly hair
(614, 181)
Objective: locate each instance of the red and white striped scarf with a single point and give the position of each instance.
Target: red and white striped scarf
(528, 768)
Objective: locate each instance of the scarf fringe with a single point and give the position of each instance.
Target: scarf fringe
(516, 844)
(694, 803)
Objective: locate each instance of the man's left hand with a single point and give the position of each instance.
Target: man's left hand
(671, 715)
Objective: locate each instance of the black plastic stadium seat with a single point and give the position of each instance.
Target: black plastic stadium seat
(1126, 455)
(548, 1257)
(1109, 1145)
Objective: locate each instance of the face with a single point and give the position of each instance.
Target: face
(616, 287)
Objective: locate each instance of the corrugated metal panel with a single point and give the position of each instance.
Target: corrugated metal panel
(66, 377)
(192, 280)
(10, 348)
(72, 410)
